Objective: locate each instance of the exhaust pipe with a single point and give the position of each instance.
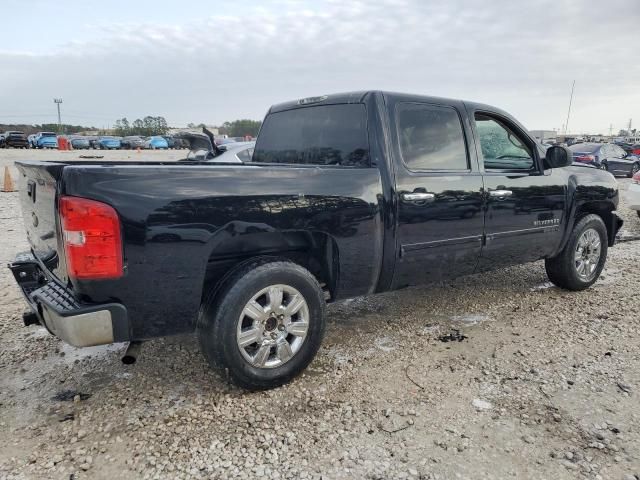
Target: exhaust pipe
(131, 355)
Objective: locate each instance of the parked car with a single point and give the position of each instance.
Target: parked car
(633, 194)
(224, 141)
(79, 142)
(132, 142)
(107, 143)
(181, 143)
(234, 145)
(45, 140)
(93, 141)
(346, 195)
(15, 139)
(155, 143)
(238, 154)
(172, 142)
(606, 156)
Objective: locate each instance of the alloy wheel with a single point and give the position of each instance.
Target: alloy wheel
(273, 326)
(587, 254)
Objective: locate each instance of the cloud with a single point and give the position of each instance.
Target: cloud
(227, 66)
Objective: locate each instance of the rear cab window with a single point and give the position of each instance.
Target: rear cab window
(316, 135)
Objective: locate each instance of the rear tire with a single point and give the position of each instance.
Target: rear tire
(250, 346)
(578, 266)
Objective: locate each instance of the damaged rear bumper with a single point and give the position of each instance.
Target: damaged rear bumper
(78, 324)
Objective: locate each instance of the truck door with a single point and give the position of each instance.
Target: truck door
(525, 204)
(439, 193)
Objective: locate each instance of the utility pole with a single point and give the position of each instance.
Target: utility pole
(610, 131)
(566, 125)
(58, 101)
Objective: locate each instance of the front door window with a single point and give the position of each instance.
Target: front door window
(501, 147)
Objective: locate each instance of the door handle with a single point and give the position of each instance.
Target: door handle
(500, 194)
(418, 197)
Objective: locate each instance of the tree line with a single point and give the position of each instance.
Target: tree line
(149, 126)
(145, 127)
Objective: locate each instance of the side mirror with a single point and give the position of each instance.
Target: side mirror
(558, 157)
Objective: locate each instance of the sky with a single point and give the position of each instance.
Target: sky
(208, 62)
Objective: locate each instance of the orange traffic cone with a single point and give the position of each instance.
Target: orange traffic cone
(8, 181)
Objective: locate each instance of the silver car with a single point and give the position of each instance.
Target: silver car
(235, 154)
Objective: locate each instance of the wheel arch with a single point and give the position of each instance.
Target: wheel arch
(602, 208)
(315, 251)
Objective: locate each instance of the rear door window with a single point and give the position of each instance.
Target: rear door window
(619, 152)
(318, 135)
(431, 138)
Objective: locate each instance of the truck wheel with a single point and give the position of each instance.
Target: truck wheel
(581, 261)
(265, 325)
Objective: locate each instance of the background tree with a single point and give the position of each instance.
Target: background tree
(145, 127)
(122, 127)
(240, 128)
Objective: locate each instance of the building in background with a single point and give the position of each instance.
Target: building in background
(544, 136)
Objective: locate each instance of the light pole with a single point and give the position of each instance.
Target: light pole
(58, 101)
(566, 125)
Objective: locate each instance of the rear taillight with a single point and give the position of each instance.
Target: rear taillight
(636, 178)
(585, 158)
(91, 234)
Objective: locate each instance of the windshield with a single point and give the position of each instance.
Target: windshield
(48, 134)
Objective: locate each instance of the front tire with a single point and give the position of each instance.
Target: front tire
(581, 261)
(264, 325)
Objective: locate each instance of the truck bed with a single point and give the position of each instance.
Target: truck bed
(182, 221)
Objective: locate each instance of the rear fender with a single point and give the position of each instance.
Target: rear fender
(316, 251)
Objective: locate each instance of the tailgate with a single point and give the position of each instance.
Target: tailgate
(37, 185)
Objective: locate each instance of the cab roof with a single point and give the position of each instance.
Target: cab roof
(359, 97)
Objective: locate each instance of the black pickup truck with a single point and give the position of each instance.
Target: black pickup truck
(345, 195)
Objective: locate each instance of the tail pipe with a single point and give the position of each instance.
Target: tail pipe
(131, 355)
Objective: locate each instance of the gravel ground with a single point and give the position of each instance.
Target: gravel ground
(546, 384)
